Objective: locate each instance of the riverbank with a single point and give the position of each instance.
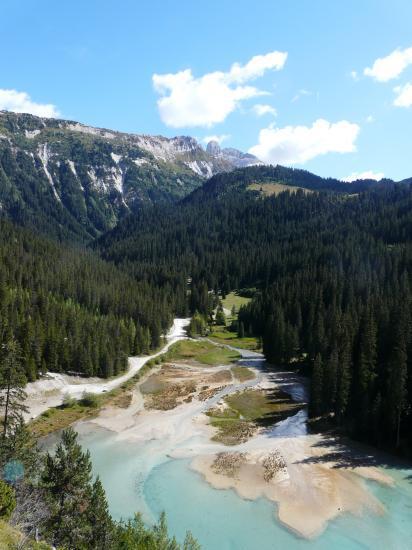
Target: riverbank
(169, 418)
(50, 391)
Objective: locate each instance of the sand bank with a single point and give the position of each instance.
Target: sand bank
(312, 487)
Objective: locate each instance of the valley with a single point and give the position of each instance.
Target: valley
(237, 343)
(312, 480)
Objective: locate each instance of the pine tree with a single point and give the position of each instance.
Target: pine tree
(12, 382)
(66, 477)
(397, 380)
(366, 371)
(316, 387)
(99, 518)
(343, 376)
(220, 316)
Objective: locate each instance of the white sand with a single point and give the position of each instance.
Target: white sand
(50, 390)
(309, 493)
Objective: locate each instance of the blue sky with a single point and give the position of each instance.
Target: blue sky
(299, 94)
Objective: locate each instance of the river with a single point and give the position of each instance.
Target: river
(140, 475)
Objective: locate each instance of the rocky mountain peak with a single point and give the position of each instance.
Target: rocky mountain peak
(213, 148)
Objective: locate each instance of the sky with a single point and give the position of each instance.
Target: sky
(316, 84)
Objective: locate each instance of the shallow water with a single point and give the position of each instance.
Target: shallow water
(136, 478)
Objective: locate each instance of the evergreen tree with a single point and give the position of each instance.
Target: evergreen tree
(99, 518)
(67, 478)
(12, 382)
(316, 393)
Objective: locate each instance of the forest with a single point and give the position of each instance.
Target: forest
(331, 269)
(333, 278)
(70, 311)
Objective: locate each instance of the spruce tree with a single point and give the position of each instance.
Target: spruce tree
(67, 477)
(99, 518)
(12, 382)
(316, 387)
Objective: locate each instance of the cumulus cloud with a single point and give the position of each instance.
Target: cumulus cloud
(298, 144)
(187, 100)
(367, 175)
(391, 66)
(403, 95)
(261, 109)
(21, 102)
(220, 139)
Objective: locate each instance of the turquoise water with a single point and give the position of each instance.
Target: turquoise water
(137, 479)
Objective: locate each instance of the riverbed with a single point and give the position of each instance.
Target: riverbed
(332, 496)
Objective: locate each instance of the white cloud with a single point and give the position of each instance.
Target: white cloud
(298, 144)
(207, 100)
(354, 75)
(391, 66)
(21, 102)
(261, 109)
(220, 139)
(404, 95)
(299, 94)
(257, 66)
(368, 175)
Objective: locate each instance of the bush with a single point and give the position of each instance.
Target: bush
(7, 500)
(68, 401)
(90, 400)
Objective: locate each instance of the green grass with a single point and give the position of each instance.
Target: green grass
(259, 405)
(246, 411)
(225, 336)
(201, 351)
(12, 538)
(275, 188)
(233, 299)
(61, 417)
(243, 373)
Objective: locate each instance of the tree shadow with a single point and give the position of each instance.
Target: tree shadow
(347, 453)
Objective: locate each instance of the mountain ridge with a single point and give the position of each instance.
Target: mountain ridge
(86, 178)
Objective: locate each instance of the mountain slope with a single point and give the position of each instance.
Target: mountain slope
(248, 179)
(75, 179)
(72, 180)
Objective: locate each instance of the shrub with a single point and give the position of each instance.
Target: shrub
(7, 500)
(68, 401)
(90, 400)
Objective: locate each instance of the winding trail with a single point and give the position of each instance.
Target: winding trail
(50, 391)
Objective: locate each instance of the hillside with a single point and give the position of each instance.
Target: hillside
(333, 278)
(241, 180)
(71, 180)
(72, 312)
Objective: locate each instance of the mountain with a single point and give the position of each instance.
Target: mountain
(234, 157)
(72, 180)
(267, 180)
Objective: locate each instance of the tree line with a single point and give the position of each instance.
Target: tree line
(72, 312)
(333, 277)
